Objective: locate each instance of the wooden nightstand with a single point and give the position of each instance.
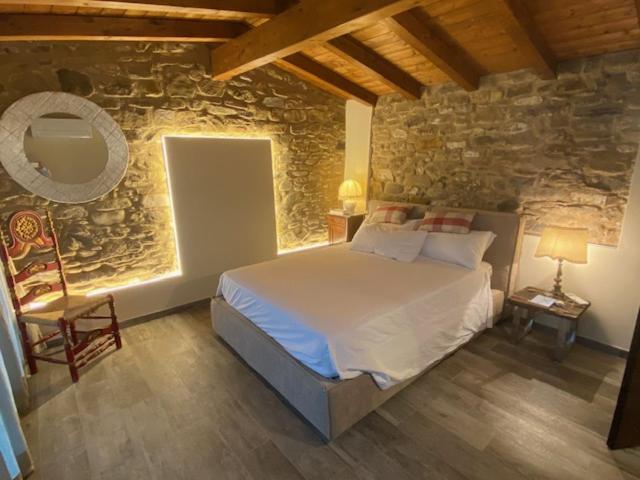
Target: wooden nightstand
(342, 227)
(567, 314)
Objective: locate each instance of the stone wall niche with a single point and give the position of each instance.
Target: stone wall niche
(157, 89)
(559, 151)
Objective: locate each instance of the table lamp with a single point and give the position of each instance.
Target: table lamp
(561, 243)
(348, 192)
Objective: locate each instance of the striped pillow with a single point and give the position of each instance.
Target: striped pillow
(448, 222)
(390, 214)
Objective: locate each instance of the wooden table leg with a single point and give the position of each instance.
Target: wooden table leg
(519, 330)
(565, 339)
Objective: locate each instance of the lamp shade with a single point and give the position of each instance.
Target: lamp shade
(349, 189)
(562, 243)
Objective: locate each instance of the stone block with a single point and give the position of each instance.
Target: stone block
(72, 81)
(121, 87)
(274, 102)
(108, 218)
(528, 101)
(393, 189)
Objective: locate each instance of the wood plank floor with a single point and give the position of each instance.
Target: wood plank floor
(176, 403)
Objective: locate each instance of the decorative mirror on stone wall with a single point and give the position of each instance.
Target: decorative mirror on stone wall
(62, 147)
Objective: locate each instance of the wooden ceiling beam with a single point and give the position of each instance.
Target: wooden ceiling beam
(417, 30)
(306, 23)
(258, 8)
(520, 26)
(354, 51)
(80, 27)
(325, 78)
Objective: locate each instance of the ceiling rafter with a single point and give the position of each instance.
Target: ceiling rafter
(264, 8)
(522, 29)
(70, 27)
(417, 30)
(304, 24)
(356, 52)
(325, 78)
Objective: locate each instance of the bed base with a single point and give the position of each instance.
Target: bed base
(330, 406)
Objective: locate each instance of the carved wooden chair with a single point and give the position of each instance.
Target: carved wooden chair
(33, 269)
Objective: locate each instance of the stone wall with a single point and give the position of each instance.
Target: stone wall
(559, 151)
(156, 89)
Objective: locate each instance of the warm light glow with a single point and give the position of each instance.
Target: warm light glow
(287, 251)
(349, 189)
(243, 136)
(136, 282)
(562, 243)
(133, 283)
(173, 211)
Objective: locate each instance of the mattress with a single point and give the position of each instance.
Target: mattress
(343, 313)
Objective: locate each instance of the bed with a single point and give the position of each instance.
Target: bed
(337, 332)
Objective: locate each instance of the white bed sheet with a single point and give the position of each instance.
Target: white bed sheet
(342, 312)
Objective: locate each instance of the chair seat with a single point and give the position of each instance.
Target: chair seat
(69, 307)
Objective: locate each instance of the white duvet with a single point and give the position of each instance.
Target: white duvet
(342, 312)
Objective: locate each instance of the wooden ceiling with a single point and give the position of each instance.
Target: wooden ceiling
(353, 48)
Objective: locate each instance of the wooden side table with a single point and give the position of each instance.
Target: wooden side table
(566, 312)
(342, 227)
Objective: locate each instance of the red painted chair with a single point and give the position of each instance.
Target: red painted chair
(34, 269)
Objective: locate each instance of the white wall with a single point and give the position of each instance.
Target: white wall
(358, 145)
(610, 279)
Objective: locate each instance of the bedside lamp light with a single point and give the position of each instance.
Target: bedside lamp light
(562, 243)
(348, 192)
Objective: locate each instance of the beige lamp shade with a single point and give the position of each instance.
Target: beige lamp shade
(349, 189)
(562, 243)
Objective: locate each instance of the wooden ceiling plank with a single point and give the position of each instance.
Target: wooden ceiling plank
(298, 27)
(433, 43)
(353, 51)
(37, 8)
(622, 25)
(587, 20)
(71, 27)
(637, 3)
(520, 26)
(264, 8)
(325, 78)
(552, 15)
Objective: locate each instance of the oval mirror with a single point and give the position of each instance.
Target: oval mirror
(62, 147)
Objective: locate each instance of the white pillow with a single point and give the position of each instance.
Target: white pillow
(397, 243)
(466, 250)
(401, 245)
(364, 239)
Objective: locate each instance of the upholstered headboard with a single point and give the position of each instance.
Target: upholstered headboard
(503, 254)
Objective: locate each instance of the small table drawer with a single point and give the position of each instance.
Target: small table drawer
(337, 222)
(343, 227)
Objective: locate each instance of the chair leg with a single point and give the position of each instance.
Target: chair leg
(71, 360)
(26, 346)
(74, 333)
(115, 328)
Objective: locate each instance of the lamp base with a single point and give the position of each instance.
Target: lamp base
(557, 282)
(349, 207)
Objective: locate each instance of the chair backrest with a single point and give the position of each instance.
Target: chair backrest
(31, 258)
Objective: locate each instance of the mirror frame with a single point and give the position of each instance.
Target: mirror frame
(14, 124)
